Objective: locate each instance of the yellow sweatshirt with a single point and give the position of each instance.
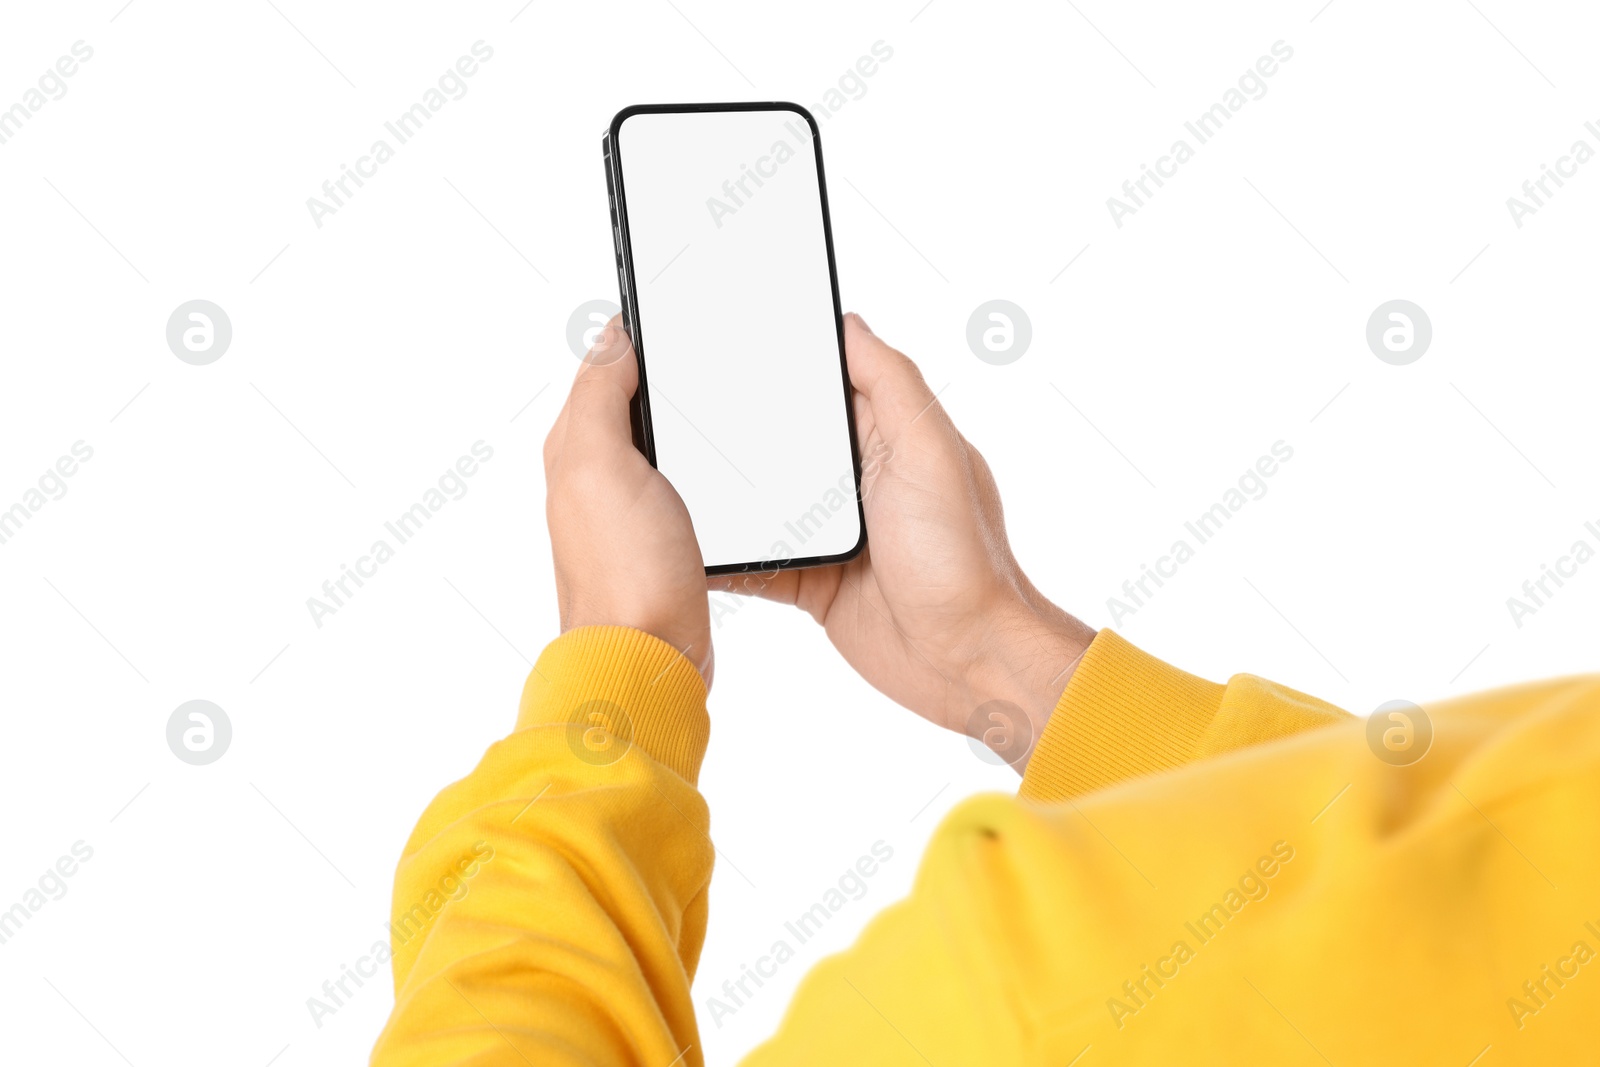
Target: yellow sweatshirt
(1191, 873)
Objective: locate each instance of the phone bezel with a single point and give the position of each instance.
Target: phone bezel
(644, 437)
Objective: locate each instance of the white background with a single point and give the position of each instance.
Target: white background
(1227, 314)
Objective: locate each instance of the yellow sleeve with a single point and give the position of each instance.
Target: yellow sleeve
(1126, 714)
(1244, 908)
(550, 907)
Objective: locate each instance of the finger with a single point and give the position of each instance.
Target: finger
(597, 408)
(782, 587)
(610, 345)
(888, 379)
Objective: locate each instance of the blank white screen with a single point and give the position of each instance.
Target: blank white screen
(734, 307)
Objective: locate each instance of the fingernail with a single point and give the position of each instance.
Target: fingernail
(863, 322)
(602, 340)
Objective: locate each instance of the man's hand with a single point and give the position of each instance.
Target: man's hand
(625, 550)
(935, 613)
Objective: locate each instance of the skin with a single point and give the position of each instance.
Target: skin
(625, 551)
(935, 613)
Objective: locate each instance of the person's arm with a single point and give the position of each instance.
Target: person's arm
(1016, 927)
(1242, 909)
(550, 907)
(1125, 714)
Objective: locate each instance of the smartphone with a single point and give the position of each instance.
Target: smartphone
(719, 218)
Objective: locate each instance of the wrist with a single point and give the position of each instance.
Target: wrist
(691, 637)
(1014, 683)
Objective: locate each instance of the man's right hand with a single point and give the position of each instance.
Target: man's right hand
(935, 613)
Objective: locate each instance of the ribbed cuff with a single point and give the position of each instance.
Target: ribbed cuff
(633, 686)
(1123, 714)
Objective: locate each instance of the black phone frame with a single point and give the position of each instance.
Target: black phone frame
(643, 434)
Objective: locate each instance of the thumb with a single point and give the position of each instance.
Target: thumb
(782, 586)
(598, 408)
(888, 378)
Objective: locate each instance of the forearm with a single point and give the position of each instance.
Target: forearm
(550, 907)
